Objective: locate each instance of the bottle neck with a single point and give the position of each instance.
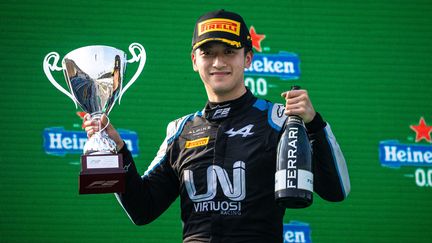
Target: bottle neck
(295, 119)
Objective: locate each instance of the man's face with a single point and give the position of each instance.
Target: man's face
(221, 67)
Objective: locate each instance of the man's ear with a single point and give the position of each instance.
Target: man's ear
(193, 58)
(248, 59)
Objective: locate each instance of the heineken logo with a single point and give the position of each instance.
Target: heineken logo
(418, 154)
(58, 141)
(283, 65)
(395, 154)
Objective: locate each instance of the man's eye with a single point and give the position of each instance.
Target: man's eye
(229, 51)
(205, 53)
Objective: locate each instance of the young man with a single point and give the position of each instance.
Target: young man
(221, 160)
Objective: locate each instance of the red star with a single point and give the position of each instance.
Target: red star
(256, 39)
(422, 131)
(81, 114)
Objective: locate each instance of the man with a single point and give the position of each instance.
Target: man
(221, 160)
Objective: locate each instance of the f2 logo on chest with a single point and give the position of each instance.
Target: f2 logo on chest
(244, 132)
(221, 113)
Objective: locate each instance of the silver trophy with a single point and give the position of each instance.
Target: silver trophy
(94, 76)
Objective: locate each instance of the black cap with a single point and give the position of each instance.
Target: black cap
(222, 26)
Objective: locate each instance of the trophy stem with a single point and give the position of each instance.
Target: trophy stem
(100, 142)
(98, 117)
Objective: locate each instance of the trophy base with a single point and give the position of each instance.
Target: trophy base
(102, 173)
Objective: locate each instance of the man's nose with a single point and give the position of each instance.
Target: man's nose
(219, 61)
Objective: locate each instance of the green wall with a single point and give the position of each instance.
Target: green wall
(366, 65)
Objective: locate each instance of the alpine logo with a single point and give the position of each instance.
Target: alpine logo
(235, 191)
(244, 132)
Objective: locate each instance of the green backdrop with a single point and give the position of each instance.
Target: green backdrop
(366, 64)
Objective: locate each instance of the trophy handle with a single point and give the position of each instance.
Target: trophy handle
(140, 57)
(47, 67)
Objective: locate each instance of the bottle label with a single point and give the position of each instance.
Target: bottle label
(303, 180)
(280, 180)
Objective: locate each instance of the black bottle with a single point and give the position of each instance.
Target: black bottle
(294, 178)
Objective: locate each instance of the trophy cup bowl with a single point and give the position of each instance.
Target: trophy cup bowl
(94, 76)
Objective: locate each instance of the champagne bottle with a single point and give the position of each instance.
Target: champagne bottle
(294, 178)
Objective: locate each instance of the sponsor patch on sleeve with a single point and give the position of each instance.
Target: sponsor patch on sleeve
(277, 116)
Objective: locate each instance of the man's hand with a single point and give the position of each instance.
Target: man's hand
(297, 102)
(92, 126)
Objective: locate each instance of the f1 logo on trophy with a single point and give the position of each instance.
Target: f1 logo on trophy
(94, 76)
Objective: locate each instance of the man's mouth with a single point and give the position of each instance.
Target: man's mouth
(220, 73)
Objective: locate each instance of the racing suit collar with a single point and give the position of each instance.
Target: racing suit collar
(217, 111)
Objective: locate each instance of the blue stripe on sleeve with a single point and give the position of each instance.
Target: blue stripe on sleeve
(339, 160)
(261, 104)
(161, 155)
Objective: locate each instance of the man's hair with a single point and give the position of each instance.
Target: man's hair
(246, 50)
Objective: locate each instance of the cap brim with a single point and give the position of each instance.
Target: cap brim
(234, 44)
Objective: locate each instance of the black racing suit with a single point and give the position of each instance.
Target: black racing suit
(221, 162)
